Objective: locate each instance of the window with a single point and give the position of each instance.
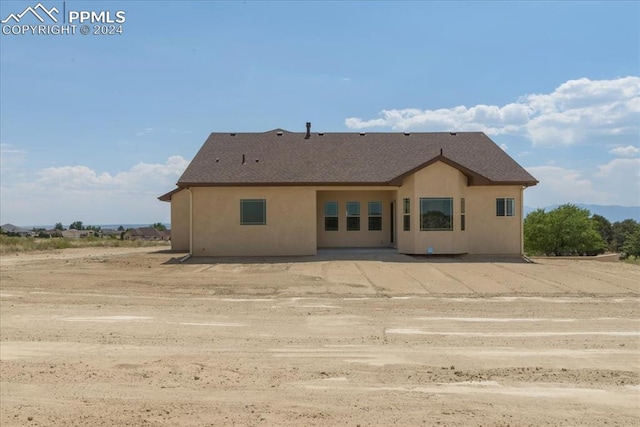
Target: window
(353, 216)
(375, 216)
(406, 214)
(331, 216)
(462, 214)
(253, 212)
(505, 207)
(436, 214)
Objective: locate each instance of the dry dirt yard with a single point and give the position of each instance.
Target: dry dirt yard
(96, 337)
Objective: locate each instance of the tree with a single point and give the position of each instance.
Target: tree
(632, 244)
(76, 225)
(537, 238)
(121, 228)
(159, 226)
(605, 229)
(58, 226)
(566, 230)
(621, 232)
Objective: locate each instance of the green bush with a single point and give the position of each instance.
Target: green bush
(566, 230)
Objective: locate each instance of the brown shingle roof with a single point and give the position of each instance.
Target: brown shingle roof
(280, 157)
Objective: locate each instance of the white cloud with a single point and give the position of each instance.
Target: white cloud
(504, 146)
(10, 157)
(628, 151)
(6, 149)
(70, 193)
(575, 112)
(144, 132)
(613, 183)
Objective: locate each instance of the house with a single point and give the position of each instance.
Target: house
(147, 233)
(54, 232)
(290, 193)
(110, 232)
(77, 234)
(14, 230)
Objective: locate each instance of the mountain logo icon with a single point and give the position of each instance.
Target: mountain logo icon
(38, 11)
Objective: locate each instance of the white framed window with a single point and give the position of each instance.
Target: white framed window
(375, 216)
(331, 216)
(253, 212)
(406, 214)
(353, 216)
(505, 206)
(436, 214)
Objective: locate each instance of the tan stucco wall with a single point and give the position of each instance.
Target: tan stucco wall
(363, 237)
(180, 221)
(290, 228)
(488, 233)
(485, 233)
(295, 218)
(438, 180)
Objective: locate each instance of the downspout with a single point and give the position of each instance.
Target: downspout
(522, 220)
(190, 221)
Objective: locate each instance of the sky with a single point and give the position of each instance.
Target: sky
(95, 127)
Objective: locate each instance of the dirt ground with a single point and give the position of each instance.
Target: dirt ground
(114, 336)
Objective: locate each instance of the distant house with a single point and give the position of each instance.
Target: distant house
(287, 193)
(54, 232)
(14, 230)
(147, 233)
(77, 234)
(108, 232)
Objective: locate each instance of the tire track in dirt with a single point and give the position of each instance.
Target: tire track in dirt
(553, 284)
(455, 279)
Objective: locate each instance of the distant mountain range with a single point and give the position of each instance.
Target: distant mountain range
(612, 213)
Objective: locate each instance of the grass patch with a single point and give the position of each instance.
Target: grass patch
(632, 260)
(30, 244)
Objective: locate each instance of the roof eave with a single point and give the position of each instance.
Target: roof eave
(474, 177)
(287, 184)
(167, 196)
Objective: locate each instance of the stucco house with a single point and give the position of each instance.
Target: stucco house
(290, 193)
(77, 234)
(147, 233)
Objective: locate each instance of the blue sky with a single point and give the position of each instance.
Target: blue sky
(95, 127)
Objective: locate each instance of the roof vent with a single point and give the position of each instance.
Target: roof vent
(407, 133)
(362, 134)
(232, 134)
(257, 160)
(217, 160)
(320, 133)
(279, 133)
(308, 135)
(452, 133)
